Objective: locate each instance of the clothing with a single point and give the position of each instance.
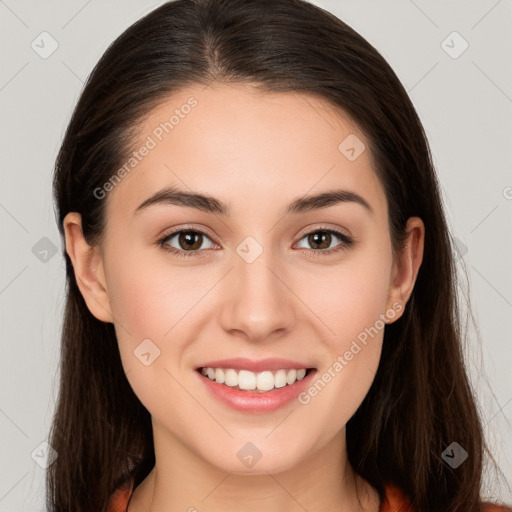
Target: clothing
(394, 501)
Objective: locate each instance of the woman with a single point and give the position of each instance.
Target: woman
(261, 308)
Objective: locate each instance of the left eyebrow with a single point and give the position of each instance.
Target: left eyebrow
(326, 199)
(209, 204)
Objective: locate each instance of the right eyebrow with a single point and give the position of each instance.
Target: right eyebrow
(174, 196)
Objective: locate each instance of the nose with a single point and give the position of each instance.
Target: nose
(258, 302)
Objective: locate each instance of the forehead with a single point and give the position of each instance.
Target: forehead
(244, 145)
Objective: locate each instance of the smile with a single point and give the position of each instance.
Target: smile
(251, 386)
(245, 380)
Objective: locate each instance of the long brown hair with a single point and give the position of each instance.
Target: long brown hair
(420, 401)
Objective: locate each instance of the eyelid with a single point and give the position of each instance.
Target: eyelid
(173, 231)
(324, 227)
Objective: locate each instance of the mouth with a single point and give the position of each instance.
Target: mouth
(255, 386)
(265, 381)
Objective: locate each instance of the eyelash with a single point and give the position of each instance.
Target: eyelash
(346, 242)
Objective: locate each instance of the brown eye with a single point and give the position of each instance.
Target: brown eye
(186, 242)
(322, 240)
(190, 240)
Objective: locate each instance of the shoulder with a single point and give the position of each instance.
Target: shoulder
(120, 498)
(396, 501)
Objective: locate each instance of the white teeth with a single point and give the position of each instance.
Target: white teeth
(291, 377)
(230, 378)
(265, 381)
(246, 380)
(280, 379)
(250, 381)
(219, 376)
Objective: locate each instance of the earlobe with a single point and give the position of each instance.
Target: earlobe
(88, 268)
(407, 264)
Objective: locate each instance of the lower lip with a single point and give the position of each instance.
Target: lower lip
(251, 401)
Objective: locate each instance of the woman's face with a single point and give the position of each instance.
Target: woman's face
(260, 275)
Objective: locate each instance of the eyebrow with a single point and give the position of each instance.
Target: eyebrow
(209, 204)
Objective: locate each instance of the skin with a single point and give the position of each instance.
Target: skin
(258, 153)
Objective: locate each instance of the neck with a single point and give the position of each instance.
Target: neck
(322, 482)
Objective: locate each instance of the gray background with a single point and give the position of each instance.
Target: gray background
(465, 104)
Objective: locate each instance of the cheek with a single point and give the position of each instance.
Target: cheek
(153, 308)
(349, 297)
(153, 304)
(350, 300)
(150, 299)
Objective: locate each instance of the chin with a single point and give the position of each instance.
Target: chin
(256, 458)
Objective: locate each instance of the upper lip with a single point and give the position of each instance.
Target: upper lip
(241, 363)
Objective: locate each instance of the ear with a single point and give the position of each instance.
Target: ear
(406, 265)
(88, 268)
